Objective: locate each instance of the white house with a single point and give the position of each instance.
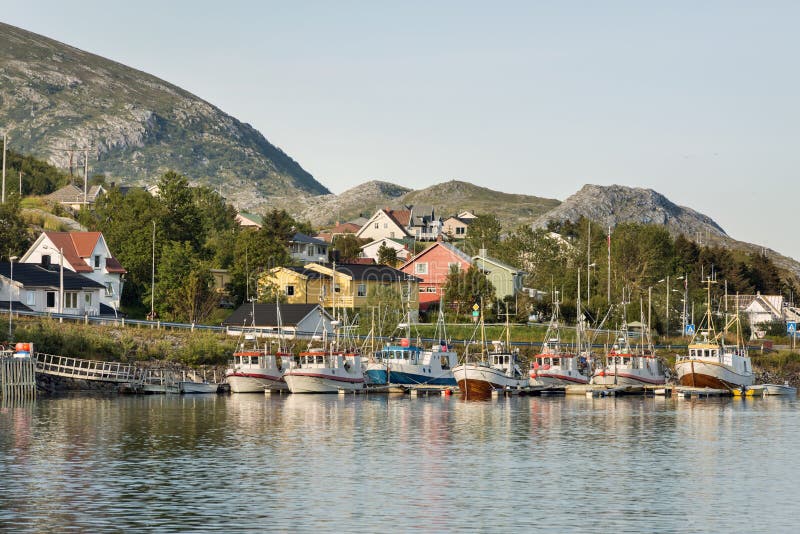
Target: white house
(85, 253)
(370, 250)
(308, 249)
(33, 287)
(386, 223)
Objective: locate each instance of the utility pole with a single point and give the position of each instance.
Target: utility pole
(153, 276)
(588, 260)
(85, 175)
(609, 266)
(666, 328)
(5, 142)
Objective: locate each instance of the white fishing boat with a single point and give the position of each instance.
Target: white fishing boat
(253, 371)
(780, 389)
(325, 371)
(497, 369)
(189, 387)
(555, 365)
(256, 369)
(710, 361)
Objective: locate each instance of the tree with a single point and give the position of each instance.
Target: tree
(462, 289)
(484, 231)
(387, 255)
(347, 247)
(389, 308)
(181, 218)
(14, 233)
(184, 286)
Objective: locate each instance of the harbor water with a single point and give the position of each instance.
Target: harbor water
(395, 463)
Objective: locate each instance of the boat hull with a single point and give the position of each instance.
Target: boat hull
(408, 378)
(252, 383)
(304, 382)
(197, 387)
(626, 378)
(477, 381)
(780, 389)
(702, 374)
(553, 379)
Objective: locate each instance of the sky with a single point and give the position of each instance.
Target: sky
(697, 100)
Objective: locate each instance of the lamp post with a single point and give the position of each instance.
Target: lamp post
(10, 289)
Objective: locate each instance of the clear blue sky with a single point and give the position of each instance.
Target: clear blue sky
(698, 100)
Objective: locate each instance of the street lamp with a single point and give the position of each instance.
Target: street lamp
(669, 290)
(10, 289)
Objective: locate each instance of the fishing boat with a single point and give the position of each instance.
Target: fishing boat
(497, 369)
(256, 369)
(407, 364)
(712, 362)
(189, 387)
(625, 366)
(325, 371)
(780, 389)
(555, 365)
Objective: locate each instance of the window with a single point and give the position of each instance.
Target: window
(289, 291)
(391, 234)
(421, 268)
(460, 230)
(453, 264)
(30, 299)
(97, 261)
(109, 289)
(87, 300)
(71, 300)
(321, 250)
(362, 290)
(45, 260)
(337, 288)
(51, 299)
(377, 225)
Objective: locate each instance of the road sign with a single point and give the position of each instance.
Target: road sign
(475, 307)
(689, 329)
(791, 327)
(475, 313)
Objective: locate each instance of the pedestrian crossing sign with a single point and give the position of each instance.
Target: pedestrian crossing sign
(791, 328)
(689, 329)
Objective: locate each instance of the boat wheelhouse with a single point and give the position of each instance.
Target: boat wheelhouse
(253, 371)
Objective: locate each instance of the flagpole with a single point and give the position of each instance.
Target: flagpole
(608, 297)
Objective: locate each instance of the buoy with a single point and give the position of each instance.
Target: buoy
(404, 342)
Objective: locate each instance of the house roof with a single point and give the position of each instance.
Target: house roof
(396, 241)
(34, 275)
(72, 194)
(79, 245)
(401, 217)
(253, 218)
(496, 263)
(447, 246)
(357, 271)
(345, 228)
(303, 238)
(266, 315)
(358, 221)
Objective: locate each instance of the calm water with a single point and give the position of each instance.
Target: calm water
(330, 463)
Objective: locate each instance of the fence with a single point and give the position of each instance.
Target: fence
(17, 378)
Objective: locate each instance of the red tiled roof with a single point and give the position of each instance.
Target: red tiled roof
(113, 266)
(401, 217)
(63, 241)
(345, 228)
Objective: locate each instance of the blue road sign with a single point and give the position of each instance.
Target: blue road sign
(791, 327)
(689, 329)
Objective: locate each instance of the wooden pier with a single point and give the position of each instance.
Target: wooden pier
(17, 379)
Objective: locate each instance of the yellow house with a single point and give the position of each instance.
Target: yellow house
(348, 287)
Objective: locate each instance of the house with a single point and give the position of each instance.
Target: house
(339, 229)
(425, 225)
(370, 250)
(72, 196)
(297, 320)
(85, 253)
(249, 220)
(386, 223)
(763, 309)
(34, 287)
(507, 280)
(305, 249)
(455, 227)
(349, 286)
(432, 266)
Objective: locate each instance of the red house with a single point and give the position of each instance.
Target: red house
(432, 266)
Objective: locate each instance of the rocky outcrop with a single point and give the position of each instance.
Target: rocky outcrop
(54, 98)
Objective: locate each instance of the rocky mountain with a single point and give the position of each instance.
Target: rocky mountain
(449, 198)
(616, 204)
(54, 98)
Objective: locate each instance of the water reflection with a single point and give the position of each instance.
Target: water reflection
(325, 462)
